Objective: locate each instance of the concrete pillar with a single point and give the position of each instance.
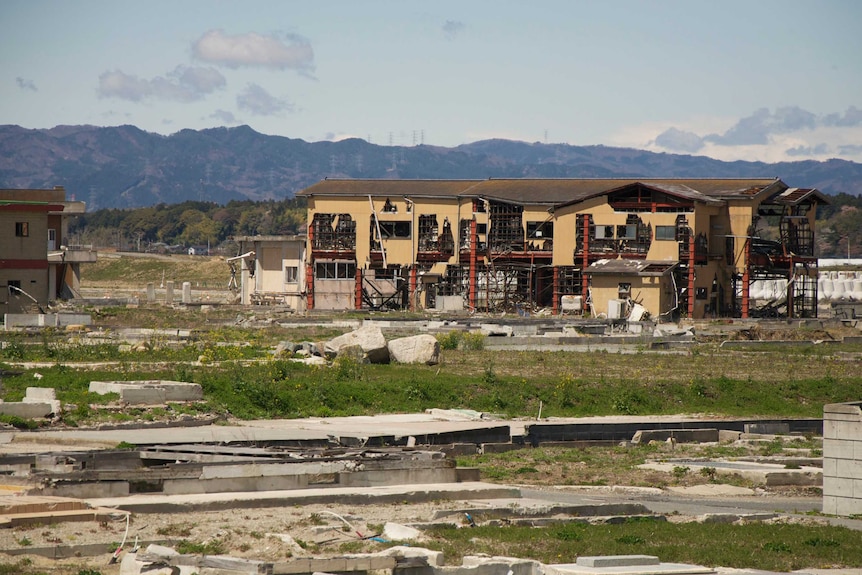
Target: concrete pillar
(842, 459)
(151, 292)
(187, 292)
(169, 292)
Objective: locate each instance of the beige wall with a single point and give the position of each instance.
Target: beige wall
(655, 293)
(272, 258)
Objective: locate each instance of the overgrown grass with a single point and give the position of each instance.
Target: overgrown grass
(772, 547)
(512, 383)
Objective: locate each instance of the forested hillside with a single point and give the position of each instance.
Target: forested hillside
(125, 167)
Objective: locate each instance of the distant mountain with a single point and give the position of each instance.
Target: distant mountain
(125, 167)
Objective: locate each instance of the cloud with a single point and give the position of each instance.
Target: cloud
(224, 115)
(787, 133)
(679, 140)
(852, 117)
(183, 84)
(755, 129)
(26, 84)
(278, 51)
(258, 101)
(452, 29)
(818, 150)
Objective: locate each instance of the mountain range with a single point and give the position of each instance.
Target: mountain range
(125, 167)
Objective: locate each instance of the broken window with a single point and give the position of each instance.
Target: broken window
(506, 232)
(291, 274)
(428, 233)
(334, 270)
(22, 229)
(394, 230)
(540, 230)
(624, 290)
(667, 233)
(389, 207)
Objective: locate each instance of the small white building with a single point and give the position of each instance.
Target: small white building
(271, 270)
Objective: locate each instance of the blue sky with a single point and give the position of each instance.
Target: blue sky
(763, 80)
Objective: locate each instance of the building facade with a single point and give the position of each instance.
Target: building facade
(271, 270)
(674, 247)
(37, 262)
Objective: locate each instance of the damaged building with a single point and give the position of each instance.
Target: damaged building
(665, 248)
(38, 262)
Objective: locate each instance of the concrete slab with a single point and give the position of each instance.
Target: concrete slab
(143, 503)
(661, 568)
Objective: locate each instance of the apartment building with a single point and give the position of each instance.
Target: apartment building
(665, 248)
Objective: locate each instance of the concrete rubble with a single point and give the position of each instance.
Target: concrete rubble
(149, 392)
(38, 402)
(369, 338)
(415, 349)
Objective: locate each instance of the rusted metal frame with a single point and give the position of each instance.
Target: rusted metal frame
(474, 241)
(691, 263)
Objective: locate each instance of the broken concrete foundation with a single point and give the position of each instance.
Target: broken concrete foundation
(149, 392)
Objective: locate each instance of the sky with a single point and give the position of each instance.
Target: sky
(767, 80)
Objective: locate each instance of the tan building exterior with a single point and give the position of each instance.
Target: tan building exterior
(271, 270)
(37, 264)
(678, 248)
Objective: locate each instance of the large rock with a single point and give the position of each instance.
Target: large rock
(369, 338)
(415, 349)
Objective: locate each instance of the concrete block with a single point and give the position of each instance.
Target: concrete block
(617, 561)
(449, 303)
(773, 428)
(838, 449)
(726, 435)
(143, 395)
(837, 487)
(680, 435)
(851, 468)
(26, 410)
(89, 490)
(42, 393)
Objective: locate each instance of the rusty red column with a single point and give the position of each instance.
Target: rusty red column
(556, 305)
(746, 277)
(691, 243)
(357, 296)
(309, 271)
(585, 263)
(413, 283)
(474, 240)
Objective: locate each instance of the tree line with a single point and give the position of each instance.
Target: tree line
(195, 223)
(191, 223)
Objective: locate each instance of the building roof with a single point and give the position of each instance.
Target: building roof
(546, 191)
(795, 196)
(631, 267)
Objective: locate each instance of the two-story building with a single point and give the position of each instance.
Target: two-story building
(676, 247)
(37, 263)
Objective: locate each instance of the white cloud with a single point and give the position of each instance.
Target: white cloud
(679, 140)
(224, 115)
(787, 134)
(281, 52)
(183, 84)
(26, 84)
(258, 101)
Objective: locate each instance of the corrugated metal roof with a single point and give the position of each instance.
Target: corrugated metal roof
(794, 196)
(540, 190)
(631, 267)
